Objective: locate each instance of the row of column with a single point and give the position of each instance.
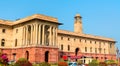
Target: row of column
(35, 34)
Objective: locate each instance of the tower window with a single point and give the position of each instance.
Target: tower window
(3, 30)
(3, 42)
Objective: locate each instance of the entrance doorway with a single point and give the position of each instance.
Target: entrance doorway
(76, 51)
(46, 56)
(27, 55)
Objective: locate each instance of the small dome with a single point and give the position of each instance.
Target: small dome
(77, 15)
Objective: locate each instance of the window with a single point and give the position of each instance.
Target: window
(61, 47)
(14, 56)
(95, 50)
(74, 39)
(68, 47)
(85, 41)
(61, 38)
(95, 42)
(80, 40)
(85, 49)
(3, 42)
(15, 42)
(90, 41)
(90, 49)
(68, 39)
(3, 30)
(16, 30)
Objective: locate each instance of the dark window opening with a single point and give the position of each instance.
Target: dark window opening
(68, 47)
(46, 56)
(76, 51)
(15, 42)
(61, 47)
(27, 55)
(85, 49)
(61, 38)
(3, 30)
(3, 42)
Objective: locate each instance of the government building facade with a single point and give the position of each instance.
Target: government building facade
(38, 39)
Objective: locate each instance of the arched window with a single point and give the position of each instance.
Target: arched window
(3, 42)
(68, 47)
(15, 42)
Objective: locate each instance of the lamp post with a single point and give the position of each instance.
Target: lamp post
(118, 55)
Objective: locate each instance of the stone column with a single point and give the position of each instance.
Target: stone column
(23, 36)
(50, 35)
(36, 34)
(53, 36)
(56, 39)
(39, 34)
(26, 35)
(43, 35)
(31, 39)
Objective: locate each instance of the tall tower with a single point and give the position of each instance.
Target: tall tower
(78, 24)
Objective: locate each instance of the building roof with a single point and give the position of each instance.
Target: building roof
(5, 22)
(85, 35)
(35, 16)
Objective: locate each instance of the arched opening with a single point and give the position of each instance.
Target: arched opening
(27, 55)
(76, 51)
(46, 56)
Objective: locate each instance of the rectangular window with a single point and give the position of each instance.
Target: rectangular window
(16, 30)
(14, 56)
(61, 47)
(61, 38)
(85, 49)
(68, 39)
(3, 30)
(68, 47)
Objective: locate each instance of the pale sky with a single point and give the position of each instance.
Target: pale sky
(100, 17)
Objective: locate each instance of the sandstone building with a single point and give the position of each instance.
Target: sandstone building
(38, 39)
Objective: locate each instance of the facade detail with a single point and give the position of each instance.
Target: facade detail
(38, 39)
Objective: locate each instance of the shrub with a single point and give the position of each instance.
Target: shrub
(102, 64)
(109, 62)
(62, 64)
(23, 62)
(94, 63)
(44, 64)
(3, 59)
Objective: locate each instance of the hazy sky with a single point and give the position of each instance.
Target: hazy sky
(100, 17)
